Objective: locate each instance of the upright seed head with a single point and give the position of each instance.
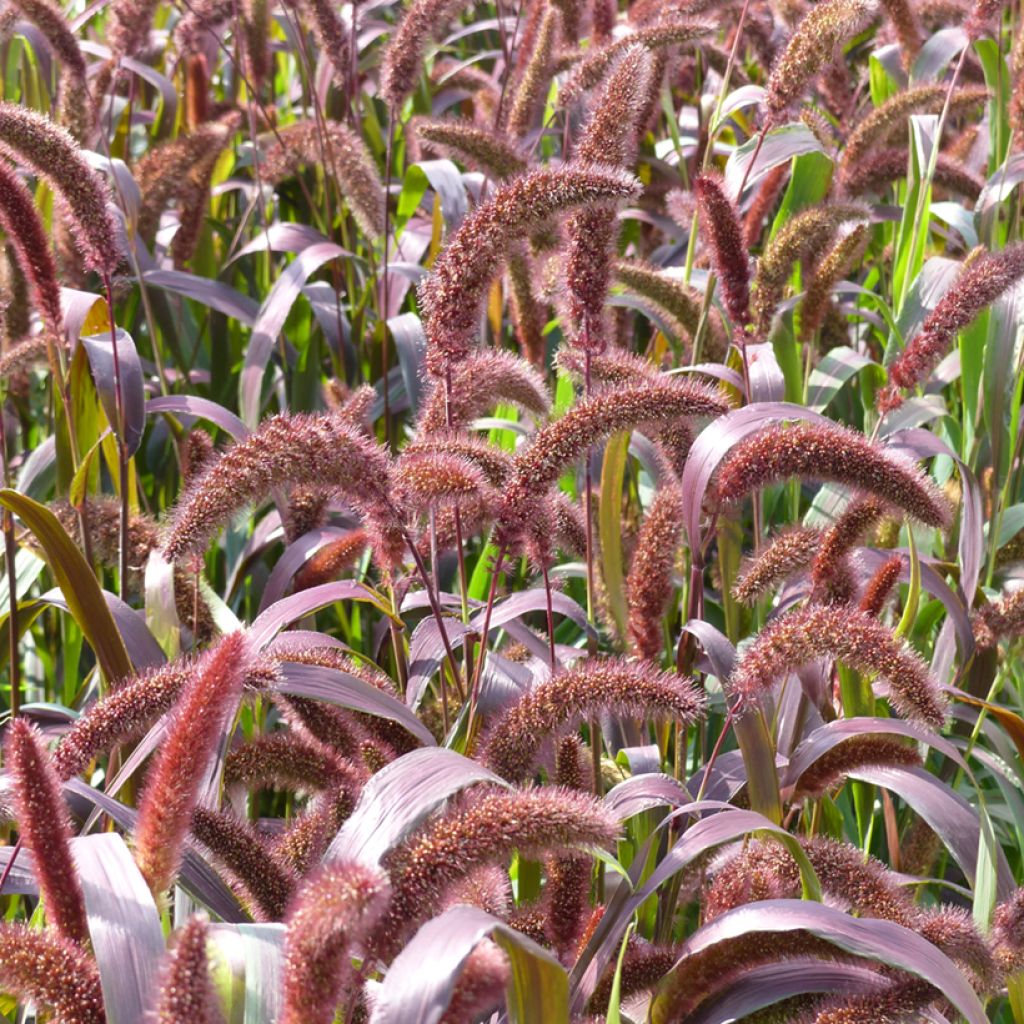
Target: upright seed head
(976, 287)
(612, 685)
(721, 224)
(829, 572)
(823, 30)
(331, 36)
(51, 971)
(532, 87)
(528, 313)
(128, 25)
(45, 829)
(1008, 934)
(187, 995)
(829, 452)
(52, 153)
(336, 907)
(880, 587)
(452, 295)
(838, 262)
(649, 584)
(851, 637)
(172, 786)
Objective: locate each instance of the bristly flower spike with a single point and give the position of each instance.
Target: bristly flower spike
(649, 584)
(829, 452)
(483, 830)
(614, 685)
(788, 552)
(451, 296)
(335, 908)
(533, 85)
(173, 783)
(50, 151)
(610, 136)
(45, 827)
(315, 450)
(829, 573)
(434, 479)
(473, 144)
(51, 971)
(977, 286)
(537, 466)
(187, 994)
(851, 637)
(721, 223)
(1003, 617)
(826, 27)
(880, 587)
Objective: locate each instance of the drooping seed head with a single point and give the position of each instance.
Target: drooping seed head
(430, 480)
(837, 263)
(649, 584)
(851, 637)
(829, 452)
(1003, 617)
(315, 450)
(976, 287)
(790, 551)
(881, 168)
(476, 145)
(332, 559)
(859, 751)
(484, 829)
(1008, 934)
(823, 30)
(45, 828)
(264, 886)
(828, 573)
(612, 685)
(52, 153)
(453, 293)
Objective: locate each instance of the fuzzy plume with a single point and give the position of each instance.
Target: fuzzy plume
(173, 783)
(331, 560)
(558, 445)
(566, 902)
(982, 280)
(122, 715)
(823, 30)
(884, 166)
(478, 146)
(905, 24)
(263, 884)
(890, 120)
(494, 463)
(788, 552)
(335, 908)
(342, 153)
(306, 840)
(528, 314)
(903, 999)
(610, 685)
(838, 262)
(532, 88)
(175, 171)
(982, 16)
(649, 584)
(331, 36)
(73, 103)
(829, 574)
(804, 237)
(721, 224)
(860, 751)
(1003, 617)
(850, 636)
(423, 21)
(880, 587)
(45, 828)
(763, 204)
(52, 153)
(643, 967)
(426, 480)
(480, 988)
(1008, 934)
(484, 829)
(829, 452)
(668, 292)
(315, 450)
(51, 971)
(589, 72)
(284, 760)
(610, 136)
(24, 230)
(128, 25)
(480, 382)
(187, 995)
(452, 295)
